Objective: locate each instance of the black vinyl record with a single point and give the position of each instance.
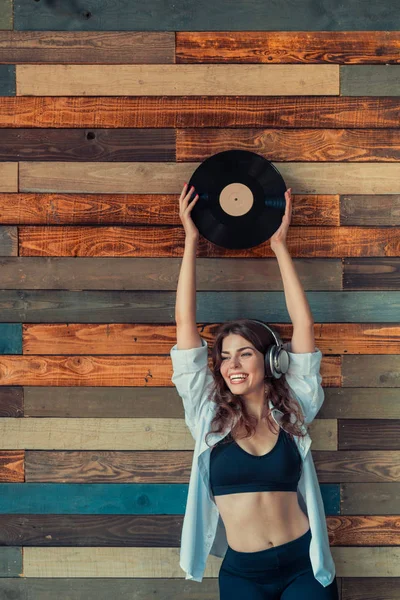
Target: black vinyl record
(241, 199)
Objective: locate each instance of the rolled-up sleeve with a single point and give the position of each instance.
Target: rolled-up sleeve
(304, 379)
(192, 378)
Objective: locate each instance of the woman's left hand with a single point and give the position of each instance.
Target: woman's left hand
(279, 237)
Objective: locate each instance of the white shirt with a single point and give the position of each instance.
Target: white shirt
(203, 531)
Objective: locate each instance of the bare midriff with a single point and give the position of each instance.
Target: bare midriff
(258, 520)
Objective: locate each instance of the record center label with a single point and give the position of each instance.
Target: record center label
(236, 199)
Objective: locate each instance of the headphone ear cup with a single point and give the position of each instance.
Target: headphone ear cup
(276, 361)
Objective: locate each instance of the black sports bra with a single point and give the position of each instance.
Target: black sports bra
(233, 470)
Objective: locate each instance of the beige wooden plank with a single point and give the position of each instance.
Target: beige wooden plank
(120, 434)
(9, 177)
(176, 80)
(164, 562)
(161, 178)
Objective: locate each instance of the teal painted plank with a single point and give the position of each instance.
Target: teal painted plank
(10, 562)
(49, 306)
(7, 80)
(6, 15)
(10, 338)
(112, 498)
(208, 15)
(370, 80)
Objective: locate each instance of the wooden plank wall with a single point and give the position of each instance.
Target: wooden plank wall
(105, 110)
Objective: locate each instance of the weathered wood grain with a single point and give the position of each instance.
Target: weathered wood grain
(365, 273)
(365, 434)
(11, 401)
(173, 80)
(369, 80)
(12, 466)
(372, 498)
(200, 111)
(8, 177)
(7, 80)
(353, 466)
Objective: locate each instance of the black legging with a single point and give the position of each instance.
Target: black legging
(281, 572)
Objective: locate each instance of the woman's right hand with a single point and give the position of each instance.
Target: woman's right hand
(185, 208)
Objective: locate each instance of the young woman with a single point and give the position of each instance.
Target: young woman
(253, 498)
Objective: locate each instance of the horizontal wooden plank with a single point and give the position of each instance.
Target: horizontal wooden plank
(161, 274)
(374, 466)
(142, 402)
(12, 466)
(164, 530)
(139, 177)
(10, 562)
(97, 144)
(371, 375)
(365, 274)
(369, 80)
(8, 241)
(164, 562)
(372, 498)
(369, 588)
(11, 402)
(7, 80)
(365, 434)
(285, 47)
(377, 210)
(8, 177)
(10, 338)
(354, 403)
(106, 47)
(335, 145)
(99, 588)
(75, 338)
(200, 111)
(307, 242)
(106, 499)
(155, 209)
(173, 80)
(156, 15)
(91, 306)
(120, 434)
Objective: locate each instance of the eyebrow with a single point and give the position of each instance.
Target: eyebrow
(238, 350)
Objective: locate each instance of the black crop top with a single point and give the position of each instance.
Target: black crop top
(233, 470)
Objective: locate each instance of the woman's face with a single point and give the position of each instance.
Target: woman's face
(239, 356)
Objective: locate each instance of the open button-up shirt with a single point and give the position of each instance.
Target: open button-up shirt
(203, 531)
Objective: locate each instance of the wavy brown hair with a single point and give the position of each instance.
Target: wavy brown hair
(230, 405)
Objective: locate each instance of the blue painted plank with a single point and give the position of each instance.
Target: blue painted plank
(7, 80)
(206, 15)
(10, 338)
(112, 498)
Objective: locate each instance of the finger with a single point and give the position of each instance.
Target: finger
(183, 192)
(189, 208)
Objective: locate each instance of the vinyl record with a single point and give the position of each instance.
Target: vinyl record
(241, 199)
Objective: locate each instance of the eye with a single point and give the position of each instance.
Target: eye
(244, 354)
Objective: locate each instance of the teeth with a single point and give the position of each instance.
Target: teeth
(238, 377)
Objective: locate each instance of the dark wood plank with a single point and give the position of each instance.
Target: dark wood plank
(11, 402)
(6, 14)
(56, 306)
(374, 466)
(7, 80)
(370, 588)
(12, 466)
(8, 241)
(10, 338)
(333, 242)
(164, 530)
(104, 47)
(157, 145)
(98, 588)
(369, 371)
(115, 499)
(366, 273)
(360, 403)
(201, 111)
(371, 498)
(286, 47)
(368, 434)
(155, 15)
(10, 562)
(146, 209)
(369, 80)
(333, 145)
(363, 210)
(74, 338)
(161, 274)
